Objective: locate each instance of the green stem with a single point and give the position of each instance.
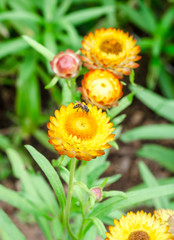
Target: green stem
(69, 196)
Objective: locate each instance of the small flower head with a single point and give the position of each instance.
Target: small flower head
(66, 64)
(110, 49)
(80, 132)
(101, 88)
(166, 216)
(97, 192)
(136, 226)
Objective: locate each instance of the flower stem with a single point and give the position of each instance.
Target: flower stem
(69, 196)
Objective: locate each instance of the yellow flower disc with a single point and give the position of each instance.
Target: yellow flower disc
(101, 88)
(138, 226)
(79, 133)
(166, 216)
(110, 49)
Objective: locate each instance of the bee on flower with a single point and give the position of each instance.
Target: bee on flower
(80, 134)
(110, 49)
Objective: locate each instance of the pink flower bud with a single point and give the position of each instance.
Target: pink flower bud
(66, 64)
(98, 193)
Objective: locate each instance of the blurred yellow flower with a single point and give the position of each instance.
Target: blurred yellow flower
(80, 131)
(136, 226)
(166, 216)
(101, 88)
(110, 49)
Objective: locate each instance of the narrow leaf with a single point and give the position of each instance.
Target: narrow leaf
(155, 131)
(157, 103)
(99, 225)
(52, 83)
(9, 228)
(150, 180)
(50, 173)
(164, 156)
(39, 48)
(123, 103)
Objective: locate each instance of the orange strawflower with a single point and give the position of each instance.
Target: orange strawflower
(80, 131)
(136, 226)
(101, 88)
(110, 49)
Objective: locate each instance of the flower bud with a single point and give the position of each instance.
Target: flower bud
(98, 193)
(66, 64)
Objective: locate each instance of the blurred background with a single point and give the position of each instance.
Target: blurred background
(147, 131)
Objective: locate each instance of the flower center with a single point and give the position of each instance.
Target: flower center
(102, 88)
(81, 124)
(111, 46)
(139, 235)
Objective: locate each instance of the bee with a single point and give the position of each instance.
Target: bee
(82, 106)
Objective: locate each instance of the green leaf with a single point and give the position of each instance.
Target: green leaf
(45, 193)
(96, 173)
(123, 103)
(150, 180)
(45, 226)
(7, 226)
(99, 225)
(164, 156)
(20, 15)
(19, 170)
(49, 6)
(166, 82)
(145, 18)
(82, 16)
(53, 82)
(91, 233)
(166, 22)
(158, 104)
(17, 200)
(134, 197)
(155, 131)
(28, 95)
(42, 137)
(50, 173)
(39, 48)
(169, 49)
(114, 194)
(4, 142)
(12, 46)
(66, 92)
(132, 77)
(154, 69)
(114, 145)
(116, 121)
(110, 180)
(145, 43)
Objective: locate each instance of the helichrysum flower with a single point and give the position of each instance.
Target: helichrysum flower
(110, 49)
(101, 88)
(137, 226)
(79, 133)
(166, 216)
(66, 64)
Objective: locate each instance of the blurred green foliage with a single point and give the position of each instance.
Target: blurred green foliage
(59, 25)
